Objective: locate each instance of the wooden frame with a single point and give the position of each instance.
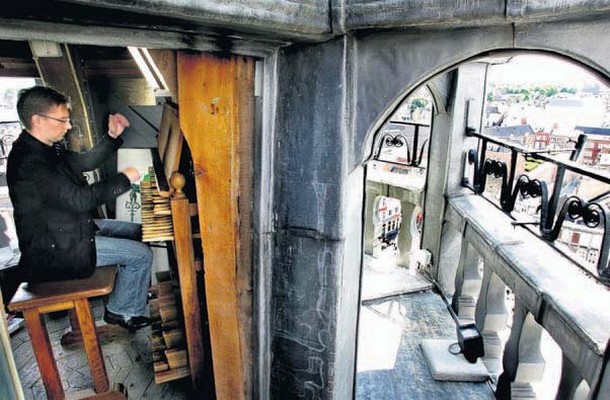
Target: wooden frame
(169, 140)
(217, 117)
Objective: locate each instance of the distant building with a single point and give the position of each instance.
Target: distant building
(493, 116)
(515, 134)
(492, 110)
(539, 140)
(598, 140)
(593, 130)
(565, 102)
(603, 160)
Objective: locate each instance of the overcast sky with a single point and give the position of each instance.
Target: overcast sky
(533, 69)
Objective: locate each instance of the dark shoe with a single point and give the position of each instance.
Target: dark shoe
(130, 323)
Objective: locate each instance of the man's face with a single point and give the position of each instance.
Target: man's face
(54, 124)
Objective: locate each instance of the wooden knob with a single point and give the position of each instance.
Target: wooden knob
(177, 181)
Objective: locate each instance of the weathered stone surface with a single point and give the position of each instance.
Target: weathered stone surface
(305, 20)
(548, 285)
(304, 316)
(383, 80)
(290, 19)
(362, 14)
(310, 144)
(368, 14)
(554, 8)
(311, 19)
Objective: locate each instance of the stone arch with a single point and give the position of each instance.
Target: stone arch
(550, 41)
(385, 53)
(374, 104)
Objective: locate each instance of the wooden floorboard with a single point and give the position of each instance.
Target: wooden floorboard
(128, 359)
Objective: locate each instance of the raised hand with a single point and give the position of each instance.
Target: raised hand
(117, 124)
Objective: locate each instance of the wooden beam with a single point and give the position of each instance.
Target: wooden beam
(187, 275)
(166, 62)
(11, 67)
(66, 76)
(216, 108)
(111, 68)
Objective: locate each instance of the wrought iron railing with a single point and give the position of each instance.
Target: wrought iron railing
(8, 136)
(415, 148)
(553, 212)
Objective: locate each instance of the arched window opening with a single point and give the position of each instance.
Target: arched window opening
(547, 159)
(395, 183)
(532, 136)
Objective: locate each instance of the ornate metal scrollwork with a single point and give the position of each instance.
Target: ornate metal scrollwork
(390, 140)
(490, 167)
(527, 188)
(592, 214)
(575, 208)
(395, 141)
(415, 151)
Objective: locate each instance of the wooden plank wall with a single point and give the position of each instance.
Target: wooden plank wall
(216, 114)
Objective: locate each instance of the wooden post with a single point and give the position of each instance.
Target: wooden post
(187, 274)
(216, 114)
(13, 383)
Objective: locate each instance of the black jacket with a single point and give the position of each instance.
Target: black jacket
(54, 206)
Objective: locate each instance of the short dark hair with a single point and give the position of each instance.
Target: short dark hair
(38, 100)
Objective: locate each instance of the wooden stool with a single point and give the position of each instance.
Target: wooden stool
(34, 300)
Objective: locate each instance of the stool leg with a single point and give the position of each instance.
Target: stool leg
(92, 346)
(44, 353)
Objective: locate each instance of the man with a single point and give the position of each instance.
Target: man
(54, 207)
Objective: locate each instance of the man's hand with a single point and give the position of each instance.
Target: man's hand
(131, 173)
(116, 125)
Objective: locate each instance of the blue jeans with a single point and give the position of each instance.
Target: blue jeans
(118, 242)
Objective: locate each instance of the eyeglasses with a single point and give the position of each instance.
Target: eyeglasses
(62, 120)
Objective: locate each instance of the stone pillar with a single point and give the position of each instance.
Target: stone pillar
(315, 271)
(408, 238)
(531, 362)
(451, 244)
(373, 189)
(491, 316)
(604, 384)
(572, 386)
(447, 142)
(467, 282)
(522, 360)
